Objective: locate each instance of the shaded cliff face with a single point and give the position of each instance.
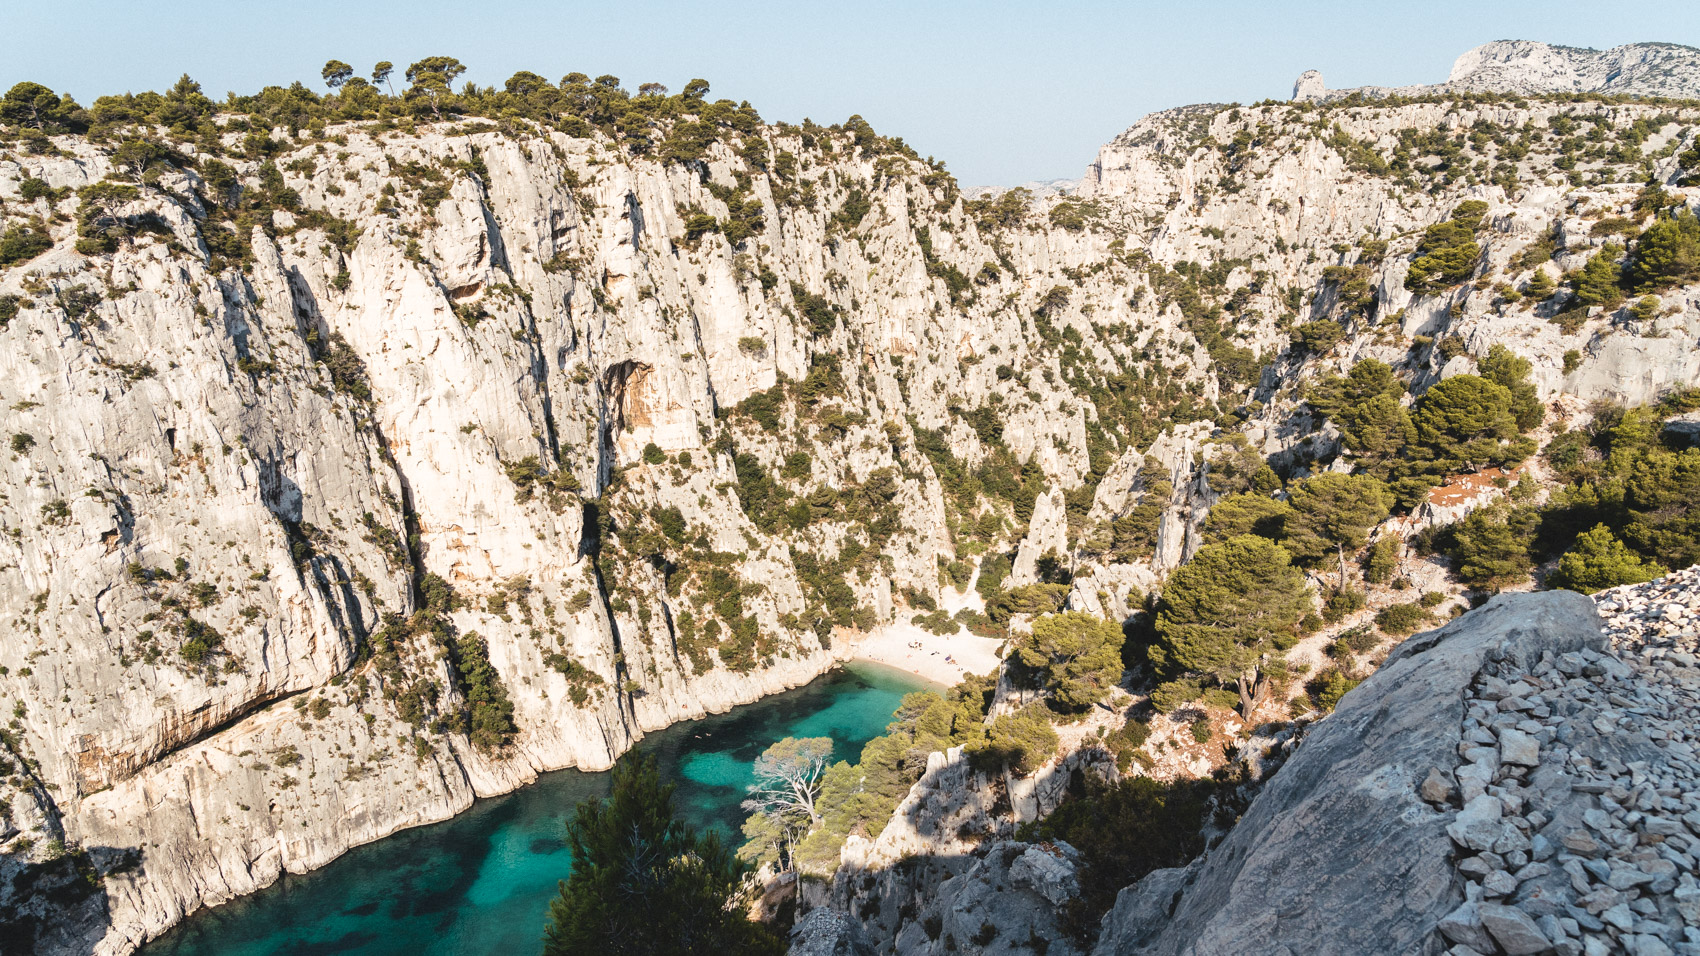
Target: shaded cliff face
(491, 416)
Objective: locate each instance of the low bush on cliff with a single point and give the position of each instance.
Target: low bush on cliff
(23, 243)
(1448, 251)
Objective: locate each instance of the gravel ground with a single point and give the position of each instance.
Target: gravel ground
(1578, 796)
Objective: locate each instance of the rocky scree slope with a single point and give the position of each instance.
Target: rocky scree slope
(1592, 765)
(1556, 817)
(480, 416)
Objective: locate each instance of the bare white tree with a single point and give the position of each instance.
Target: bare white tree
(788, 778)
(782, 800)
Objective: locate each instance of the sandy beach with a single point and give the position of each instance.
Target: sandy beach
(942, 660)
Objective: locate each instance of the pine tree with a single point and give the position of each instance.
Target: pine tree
(1597, 285)
(645, 884)
(1246, 513)
(1078, 657)
(1331, 514)
(1231, 603)
(1508, 369)
(1466, 422)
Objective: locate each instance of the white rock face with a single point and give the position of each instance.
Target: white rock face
(1309, 86)
(1531, 67)
(1524, 66)
(664, 475)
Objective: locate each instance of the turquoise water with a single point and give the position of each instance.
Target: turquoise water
(481, 882)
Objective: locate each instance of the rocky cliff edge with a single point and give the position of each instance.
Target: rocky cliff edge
(1341, 852)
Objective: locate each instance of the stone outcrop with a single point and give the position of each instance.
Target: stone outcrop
(949, 843)
(1340, 852)
(825, 932)
(1580, 823)
(1531, 67)
(1010, 895)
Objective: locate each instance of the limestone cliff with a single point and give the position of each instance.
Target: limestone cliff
(332, 443)
(1526, 66)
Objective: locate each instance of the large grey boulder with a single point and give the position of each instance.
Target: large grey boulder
(1012, 894)
(1340, 854)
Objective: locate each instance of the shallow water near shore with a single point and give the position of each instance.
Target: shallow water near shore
(481, 882)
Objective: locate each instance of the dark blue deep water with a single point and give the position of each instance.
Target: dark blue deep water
(481, 882)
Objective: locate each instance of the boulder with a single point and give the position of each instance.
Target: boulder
(1339, 853)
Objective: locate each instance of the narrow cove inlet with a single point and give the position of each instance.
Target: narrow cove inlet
(481, 882)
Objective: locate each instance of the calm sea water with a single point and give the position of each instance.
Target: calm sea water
(481, 882)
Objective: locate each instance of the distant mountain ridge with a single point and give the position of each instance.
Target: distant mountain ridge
(1529, 66)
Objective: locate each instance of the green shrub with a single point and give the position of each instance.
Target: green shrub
(1319, 337)
(937, 622)
(1075, 657)
(1359, 640)
(1027, 599)
(1126, 740)
(1666, 254)
(1380, 560)
(1511, 372)
(1124, 830)
(1171, 695)
(1365, 405)
(1340, 603)
(1400, 619)
(1328, 687)
(1598, 282)
(1246, 513)
(1491, 545)
(1022, 741)
(491, 713)
(1220, 698)
(22, 243)
(1447, 253)
(1598, 561)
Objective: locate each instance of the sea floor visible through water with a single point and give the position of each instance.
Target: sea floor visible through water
(481, 882)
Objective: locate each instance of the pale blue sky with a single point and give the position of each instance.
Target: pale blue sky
(1003, 92)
